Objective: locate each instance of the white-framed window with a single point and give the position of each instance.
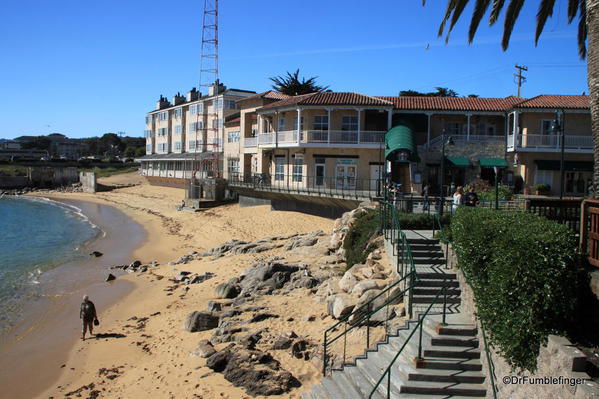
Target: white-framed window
(217, 123)
(148, 148)
(349, 122)
(162, 147)
(546, 126)
(163, 116)
(200, 109)
(193, 144)
(178, 129)
(321, 122)
(281, 125)
(218, 103)
(163, 131)
(298, 168)
(148, 119)
(279, 168)
(295, 123)
(178, 113)
(233, 166)
(148, 133)
(233, 137)
(177, 145)
(192, 109)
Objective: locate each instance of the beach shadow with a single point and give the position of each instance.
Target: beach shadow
(109, 335)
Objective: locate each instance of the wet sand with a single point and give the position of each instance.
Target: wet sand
(40, 343)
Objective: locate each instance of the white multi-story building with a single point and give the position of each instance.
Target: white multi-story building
(182, 132)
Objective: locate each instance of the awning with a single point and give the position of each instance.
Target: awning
(493, 162)
(581, 166)
(462, 162)
(398, 139)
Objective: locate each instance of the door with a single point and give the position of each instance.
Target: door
(346, 177)
(375, 176)
(320, 175)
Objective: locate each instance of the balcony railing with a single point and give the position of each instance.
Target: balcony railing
(332, 187)
(351, 137)
(550, 142)
(250, 142)
(475, 138)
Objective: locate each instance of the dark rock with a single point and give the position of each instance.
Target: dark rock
(262, 316)
(96, 254)
(201, 278)
(200, 321)
(226, 290)
(231, 313)
(143, 269)
(110, 277)
(214, 306)
(204, 349)
(135, 264)
(284, 341)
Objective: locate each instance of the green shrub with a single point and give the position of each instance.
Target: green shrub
(542, 187)
(419, 221)
(526, 276)
(504, 193)
(356, 243)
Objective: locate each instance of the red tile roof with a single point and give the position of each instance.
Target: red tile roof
(270, 95)
(331, 98)
(556, 101)
(453, 103)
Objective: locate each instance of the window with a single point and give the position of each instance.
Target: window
(178, 129)
(192, 109)
(148, 133)
(177, 145)
(321, 122)
(546, 126)
(193, 144)
(544, 177)
(178, 113)
(217, 123)
(200, 109)
(298, 168)
(148, 148)
(295, 123)
(230, 104)
(233, 166)
(233, 137)
(148, 119)
(162, 147)
(163, 131)
(218, 103)
(281, 124)
(163, 116)
(279, 168)
(349, 123)
(195, 126)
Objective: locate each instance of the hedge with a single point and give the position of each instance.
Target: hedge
(419, 221)
(526, 276)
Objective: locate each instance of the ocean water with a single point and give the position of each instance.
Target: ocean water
(36, 236)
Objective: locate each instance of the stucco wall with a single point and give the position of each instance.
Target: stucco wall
(88, 181)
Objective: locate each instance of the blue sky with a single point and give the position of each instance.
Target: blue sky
(86, 68)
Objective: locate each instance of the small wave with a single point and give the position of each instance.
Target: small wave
(33, 276)
(77, 212)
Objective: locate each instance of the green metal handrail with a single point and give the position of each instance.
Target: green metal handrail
(421, 318)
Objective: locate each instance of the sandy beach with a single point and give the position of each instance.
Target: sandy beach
(143, 349)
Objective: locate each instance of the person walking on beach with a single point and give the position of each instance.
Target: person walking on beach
(88, 316)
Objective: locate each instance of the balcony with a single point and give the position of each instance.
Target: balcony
(322, 138)
(250, 142)
(461, 138)
(549, 143)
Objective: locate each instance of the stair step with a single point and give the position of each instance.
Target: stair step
(449, 364)
(435, 291)
(331, 388)
(451, 352)
(318, 392)
(340, 387)
(433, 299)
(457, 331)
(442, 388)
(427, 251)
(437, 283)
(360, 381)
(459, 377)
(429, 241)
(469, 342)
(429, 261)
(436, 276)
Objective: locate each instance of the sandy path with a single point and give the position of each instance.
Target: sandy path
(152, 357)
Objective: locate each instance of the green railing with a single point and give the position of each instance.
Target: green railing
(406, 271)
(418, 327)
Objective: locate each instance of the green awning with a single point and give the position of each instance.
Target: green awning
(399, 138)
(492, 162)
(581, 166)
(462, 162)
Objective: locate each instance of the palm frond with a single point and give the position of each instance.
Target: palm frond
(457, 12)
(545, 11)
(450, 7)
(582, 30)
(511, 15)
(573, 9)
(480, 8)
(495, 11)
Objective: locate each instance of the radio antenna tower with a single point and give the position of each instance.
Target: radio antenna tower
(208, 78)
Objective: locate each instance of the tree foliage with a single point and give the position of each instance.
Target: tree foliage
(293, 85)
(439, 92)
(455, 8)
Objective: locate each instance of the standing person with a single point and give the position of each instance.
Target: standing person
(458, 198)
(88, 316)
(452, 187)
(471, 198)
(424, 193)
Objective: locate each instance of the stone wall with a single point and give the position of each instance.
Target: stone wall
(11, 182)
(559, 358)
(88, 182)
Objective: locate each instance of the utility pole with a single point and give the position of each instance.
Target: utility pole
(521, 79)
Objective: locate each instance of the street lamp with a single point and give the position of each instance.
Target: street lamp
(446, 141)
(558, 128)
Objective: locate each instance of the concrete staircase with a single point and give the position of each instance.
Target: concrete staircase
(449, 366)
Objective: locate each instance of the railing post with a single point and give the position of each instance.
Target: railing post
(444, 305)
(344, 342)
(368, 328)
(420, 321)
(324, 355)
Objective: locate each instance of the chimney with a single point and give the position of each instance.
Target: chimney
(192, 95)
(162, 103)
(178, 99)
(216, 88)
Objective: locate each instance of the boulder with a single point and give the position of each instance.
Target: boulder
(214, 306)
(200, 321)
(348, 281)
(262, 316)
(96, 254)
(284, 340)
(367, 272)
(204, 349)
(226, 291)
(201, 278)
(363, 286)
(110, 277)
(301, 242)
(343, 305)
